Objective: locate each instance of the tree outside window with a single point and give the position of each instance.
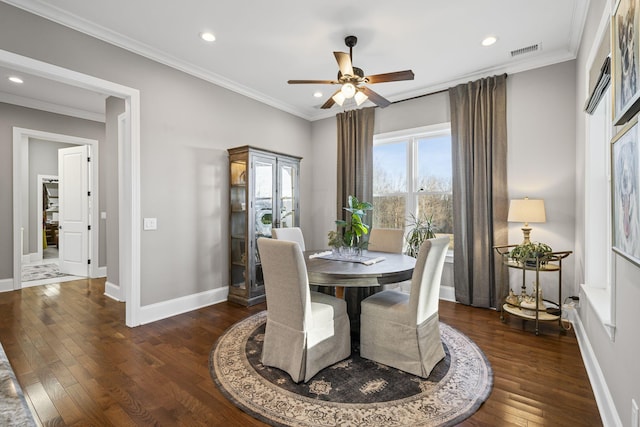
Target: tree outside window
(412, 174)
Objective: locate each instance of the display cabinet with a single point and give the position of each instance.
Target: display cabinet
(534, 306)
(263, 194)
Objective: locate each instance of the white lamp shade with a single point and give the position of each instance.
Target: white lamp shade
(348, 90)
(360, 98)
(339, 98)
(526, 210)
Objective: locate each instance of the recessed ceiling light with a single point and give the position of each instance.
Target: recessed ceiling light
(489, 41)
(207, 36)
(317, 94)
(16, 79)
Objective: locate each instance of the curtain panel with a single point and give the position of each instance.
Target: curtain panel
(355, 156)
(480, 198)
(355, 177)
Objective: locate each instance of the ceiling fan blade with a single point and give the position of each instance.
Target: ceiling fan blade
(329, 103)
(319, 82)
(391, 77)
(344, 63)
(377, 99)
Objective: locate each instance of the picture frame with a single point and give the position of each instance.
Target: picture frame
(625, 50)
(625, 192)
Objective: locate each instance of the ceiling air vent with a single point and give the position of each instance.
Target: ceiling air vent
(525, 50)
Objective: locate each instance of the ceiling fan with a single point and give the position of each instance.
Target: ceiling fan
(353, 81)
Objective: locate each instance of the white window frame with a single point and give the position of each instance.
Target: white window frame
(412, 136)
(599, 277)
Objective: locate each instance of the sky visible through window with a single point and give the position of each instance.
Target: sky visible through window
(390, 160)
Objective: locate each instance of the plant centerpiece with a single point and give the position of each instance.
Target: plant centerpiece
(335, 240)
(528, 252)
(354, 226)
(420, 229)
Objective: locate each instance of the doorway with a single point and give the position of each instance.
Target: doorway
(39, 221)
(128, 172)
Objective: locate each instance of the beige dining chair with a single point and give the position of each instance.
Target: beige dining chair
(306, 331)
(389, 240)
(402, 330)
(386, 240)
(292, 234)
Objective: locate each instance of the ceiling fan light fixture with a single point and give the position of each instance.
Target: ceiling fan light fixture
(360, 98)
(348, 90)
(339, 98)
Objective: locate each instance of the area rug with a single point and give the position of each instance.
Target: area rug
(40, 272)
(13, 406)
(354, 392)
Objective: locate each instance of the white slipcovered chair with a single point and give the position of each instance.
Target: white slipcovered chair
(389, 240)
(292, 234)
(386, 240)
(306, 331)
(400, 330)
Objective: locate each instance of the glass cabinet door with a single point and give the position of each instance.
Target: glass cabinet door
(238, 223)
(287, 195)
(263, 195)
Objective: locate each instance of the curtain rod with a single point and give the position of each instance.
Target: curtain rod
(421, 96)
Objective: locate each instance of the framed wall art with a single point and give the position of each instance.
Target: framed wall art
(625, 192)
(626, 60)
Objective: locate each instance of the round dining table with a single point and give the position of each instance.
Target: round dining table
(345, 273)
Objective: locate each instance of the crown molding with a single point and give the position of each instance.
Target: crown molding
(82, 25)
(51, 107)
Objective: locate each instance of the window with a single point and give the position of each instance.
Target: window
(412, 173)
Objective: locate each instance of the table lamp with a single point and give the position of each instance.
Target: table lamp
(526, 210)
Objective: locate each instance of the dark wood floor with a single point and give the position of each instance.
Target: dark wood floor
(79, 365)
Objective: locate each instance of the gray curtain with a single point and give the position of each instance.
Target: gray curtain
(355, 177)
(480, 199)
(355, 157)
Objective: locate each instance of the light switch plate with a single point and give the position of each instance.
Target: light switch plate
(150, 224)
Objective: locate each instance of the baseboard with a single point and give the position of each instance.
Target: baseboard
(162, 310)
(6, 285)
(601, 391)
(448, 293)
(113, 291)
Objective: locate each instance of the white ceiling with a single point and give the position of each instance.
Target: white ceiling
(260, 44)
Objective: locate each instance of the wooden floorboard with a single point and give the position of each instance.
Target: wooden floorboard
(78, 363)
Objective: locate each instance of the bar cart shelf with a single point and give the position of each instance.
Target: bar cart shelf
(521, 305)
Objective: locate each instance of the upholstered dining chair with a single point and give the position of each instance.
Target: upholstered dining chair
(292, 234)
(389, 240)
(386, 240)
(402, 330)
(306, 331)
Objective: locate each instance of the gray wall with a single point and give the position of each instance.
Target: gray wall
(617, 358)
(10, 116)
(43, 160)
(109, 175)
(540, 162)
(187, 125)
(540, 157)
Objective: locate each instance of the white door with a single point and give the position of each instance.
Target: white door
(73, 190)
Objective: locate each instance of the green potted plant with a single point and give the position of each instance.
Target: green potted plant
(354, 226)
(528, 252)
(420, 229)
